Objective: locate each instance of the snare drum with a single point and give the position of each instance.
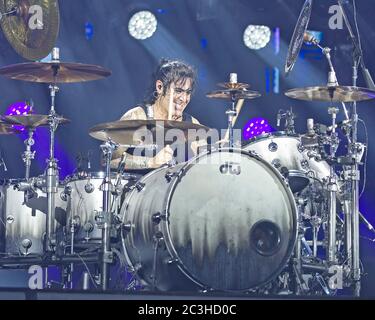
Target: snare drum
(84, 201)
(23, 224)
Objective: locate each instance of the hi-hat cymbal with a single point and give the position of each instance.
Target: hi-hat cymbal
(32, 37)
(233, 94)
(6, 129)
(54, 72)
(331, 94)
(32, 120)
(233, 85)
(124, 131)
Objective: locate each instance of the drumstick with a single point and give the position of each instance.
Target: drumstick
(170, 109)
(239, 106)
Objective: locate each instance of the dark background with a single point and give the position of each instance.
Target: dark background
(207, 34)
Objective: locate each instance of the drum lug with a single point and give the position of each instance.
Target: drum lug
(172, 261)
(276, 163)
(89, 187)
(301, 148)
(273, 147)
(157, 217)
(140, 186)
(67, 192)
(170, 175)
(305, 164)
(127, 227)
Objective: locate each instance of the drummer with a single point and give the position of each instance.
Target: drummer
(170, 92)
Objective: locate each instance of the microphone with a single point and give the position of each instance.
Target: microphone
(2, 162)
(278, 120)
(89, 153)
(120, 171)
(310, 127)
(121, 165)
(339, 125)
(149, 112)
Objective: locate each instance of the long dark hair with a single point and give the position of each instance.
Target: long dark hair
(168, 72)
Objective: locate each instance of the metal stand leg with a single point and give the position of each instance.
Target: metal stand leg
(107, 188)
(332, 189)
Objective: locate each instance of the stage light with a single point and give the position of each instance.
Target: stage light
(18, 109)
(256, 127)
(256, 37)
(142, 25)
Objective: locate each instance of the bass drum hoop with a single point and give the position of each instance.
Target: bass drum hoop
(165, 222)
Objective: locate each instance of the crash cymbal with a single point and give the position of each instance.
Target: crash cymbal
(298, 36)
(331, 94)
(31, 120)
(54, 72)
(125, 132)
(31, 37)
(6, 129)
(236, 94)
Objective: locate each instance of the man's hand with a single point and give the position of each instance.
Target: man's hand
(164, 156)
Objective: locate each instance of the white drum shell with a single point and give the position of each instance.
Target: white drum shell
(204, 219)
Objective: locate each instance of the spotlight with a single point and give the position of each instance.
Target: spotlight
(256, 127)
(142, 25)
(256, 37)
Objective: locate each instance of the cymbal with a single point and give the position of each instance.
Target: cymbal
(54, 72)
(298, 36)
(124, 131)
(233, 85)
(31, 120)
(236, 94)
(30, 43)
(6, 129)
(333, 94)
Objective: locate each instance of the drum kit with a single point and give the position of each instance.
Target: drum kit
(273, 216)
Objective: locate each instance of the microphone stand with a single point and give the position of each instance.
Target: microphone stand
(354, 147)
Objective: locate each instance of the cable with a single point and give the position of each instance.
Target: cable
(88, 270)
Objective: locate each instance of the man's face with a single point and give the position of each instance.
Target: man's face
(181, 97)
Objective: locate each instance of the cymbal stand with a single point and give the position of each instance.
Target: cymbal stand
(332, 189)
(52, 172)
(332, 78)
(354, 151)
(106, 216)
(28, 155)
(232, 113)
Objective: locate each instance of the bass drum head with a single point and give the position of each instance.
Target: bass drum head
(231, 221)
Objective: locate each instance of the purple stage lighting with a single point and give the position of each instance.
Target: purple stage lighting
(18, 109)
(256, 127)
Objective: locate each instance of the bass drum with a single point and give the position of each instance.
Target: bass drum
(286, 152)
(225, 220)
